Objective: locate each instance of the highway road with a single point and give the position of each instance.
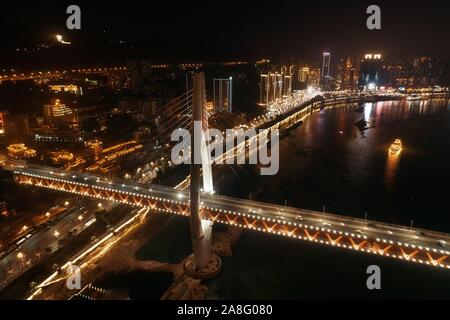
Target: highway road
(46, 241)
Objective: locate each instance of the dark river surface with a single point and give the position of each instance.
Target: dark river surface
(328, 162)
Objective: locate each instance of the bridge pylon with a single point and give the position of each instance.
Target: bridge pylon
(203, 264)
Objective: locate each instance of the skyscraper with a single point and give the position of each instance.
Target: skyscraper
(313, 78)
(345, 74)
(223, 95)
(427, 71)
(264, 87)
(303, 74)
(287, 85)
(370, 72)
(279, 90)
(272, 87)
(287, 80)
(326, 64)
(291, 70)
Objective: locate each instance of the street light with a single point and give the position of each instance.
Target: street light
(100, 205)
(56, 234)
(66, 203)
(80, 217)
(20, 256)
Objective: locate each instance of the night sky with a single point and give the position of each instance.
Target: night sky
(215, 30)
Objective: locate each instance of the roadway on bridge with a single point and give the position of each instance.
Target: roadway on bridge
(432, 240)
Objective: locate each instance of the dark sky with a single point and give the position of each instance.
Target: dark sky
(241, 29)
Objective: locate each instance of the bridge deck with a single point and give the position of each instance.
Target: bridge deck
(415, 245)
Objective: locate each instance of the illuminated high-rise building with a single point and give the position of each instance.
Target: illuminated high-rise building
(279, 89)
(427, 71)
(326, 81)
(370, 71)
(326, 59)
(303, 74)
(223, 95)
(264, 87)
(273, 87)
(398, 75)
(345, 74)
(287, 85)
(286, 80)
(313, 79)
(291, 70)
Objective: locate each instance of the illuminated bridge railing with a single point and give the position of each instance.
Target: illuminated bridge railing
(224, 210)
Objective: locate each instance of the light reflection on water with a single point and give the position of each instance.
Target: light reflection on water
(391, 168)
(327, 161)
(367, 111)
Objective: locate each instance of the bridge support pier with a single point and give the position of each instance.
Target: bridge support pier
(203, 264)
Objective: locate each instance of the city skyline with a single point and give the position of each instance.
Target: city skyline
(146, 29)
(224, 151)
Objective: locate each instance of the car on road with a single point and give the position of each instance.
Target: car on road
(442, 243)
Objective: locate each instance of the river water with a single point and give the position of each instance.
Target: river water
(326, 163)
